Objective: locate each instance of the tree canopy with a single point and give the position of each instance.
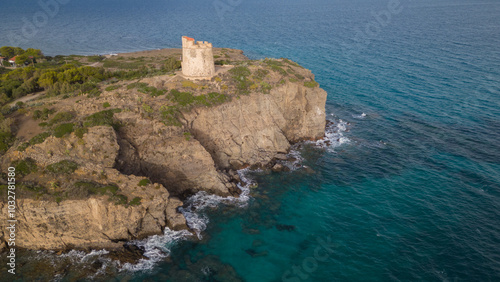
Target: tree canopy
(9, 52)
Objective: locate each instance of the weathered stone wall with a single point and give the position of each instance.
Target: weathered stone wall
(197, 58)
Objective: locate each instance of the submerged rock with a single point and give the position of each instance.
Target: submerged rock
(284, 227)
(256, 254)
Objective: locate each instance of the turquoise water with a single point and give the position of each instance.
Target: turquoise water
(411, 191)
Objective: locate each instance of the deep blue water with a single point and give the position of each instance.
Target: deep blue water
(414, 194)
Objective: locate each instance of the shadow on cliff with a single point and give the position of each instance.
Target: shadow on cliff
(129, 162)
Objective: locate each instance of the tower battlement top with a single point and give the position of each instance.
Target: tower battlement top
(197, 58)
(188, 42)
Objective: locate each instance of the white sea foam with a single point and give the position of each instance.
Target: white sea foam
(79, 259)
(194, 206)
(297, 158)
(361, 116)
(74, 256)
(334, 135)
(80, 256)
(158, 247)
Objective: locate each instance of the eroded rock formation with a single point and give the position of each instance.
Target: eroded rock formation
(111, 184)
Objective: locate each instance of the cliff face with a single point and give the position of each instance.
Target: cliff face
(159, 152)
(109, 184)
(87, 213)
(253, 129)
(91, 223)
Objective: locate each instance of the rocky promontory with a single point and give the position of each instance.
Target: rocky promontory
(97, 169)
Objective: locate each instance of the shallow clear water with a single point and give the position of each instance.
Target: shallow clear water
(413, 190)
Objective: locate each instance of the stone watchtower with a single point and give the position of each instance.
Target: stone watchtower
(197, 58)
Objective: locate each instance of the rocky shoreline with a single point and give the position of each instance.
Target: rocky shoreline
(132, 157)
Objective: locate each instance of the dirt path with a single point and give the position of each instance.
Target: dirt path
(27, 98)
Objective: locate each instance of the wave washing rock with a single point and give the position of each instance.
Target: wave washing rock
(124, 175)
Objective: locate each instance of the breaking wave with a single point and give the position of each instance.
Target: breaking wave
(158, 247)
(194, 206)
(361, 116)
(334, 135)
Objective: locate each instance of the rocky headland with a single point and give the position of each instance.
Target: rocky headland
(96, 170)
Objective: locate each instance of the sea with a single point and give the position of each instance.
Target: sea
(404, 187)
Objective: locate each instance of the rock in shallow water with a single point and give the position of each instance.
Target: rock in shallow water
(284, 227)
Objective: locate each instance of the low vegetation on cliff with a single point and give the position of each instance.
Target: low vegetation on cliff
(69, 75)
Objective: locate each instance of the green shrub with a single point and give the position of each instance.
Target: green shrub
(96, 188)
(169, 115)
(80, 131)
(182, 98)
(63, 129)
(222, 62)
(87, 87)
(146, 89)
(112, 87)
(94, 59)
(279, 70)
(144, 182)
(300, 77)
(240, 71)
(190, 84)
(33, 187)
(25, 167)
(119, 199)
(94, 93)
(271, 62)
(102, 118)
(63, 167)
(211, 99)
(136, 84)
(240, 75)
(276, 66)
(311, 84)
(266, 87)
(171, 64)
(6, 140)
(60, 117)
(135, 202)
(123, 65)
(147, 108)
(23, 146)
(152, 91)
(260, 74)
(187, 135)
(42, 114)
(106, 105)
(40, 138)
(291, 63)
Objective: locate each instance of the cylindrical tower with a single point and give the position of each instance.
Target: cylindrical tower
(197, 58)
